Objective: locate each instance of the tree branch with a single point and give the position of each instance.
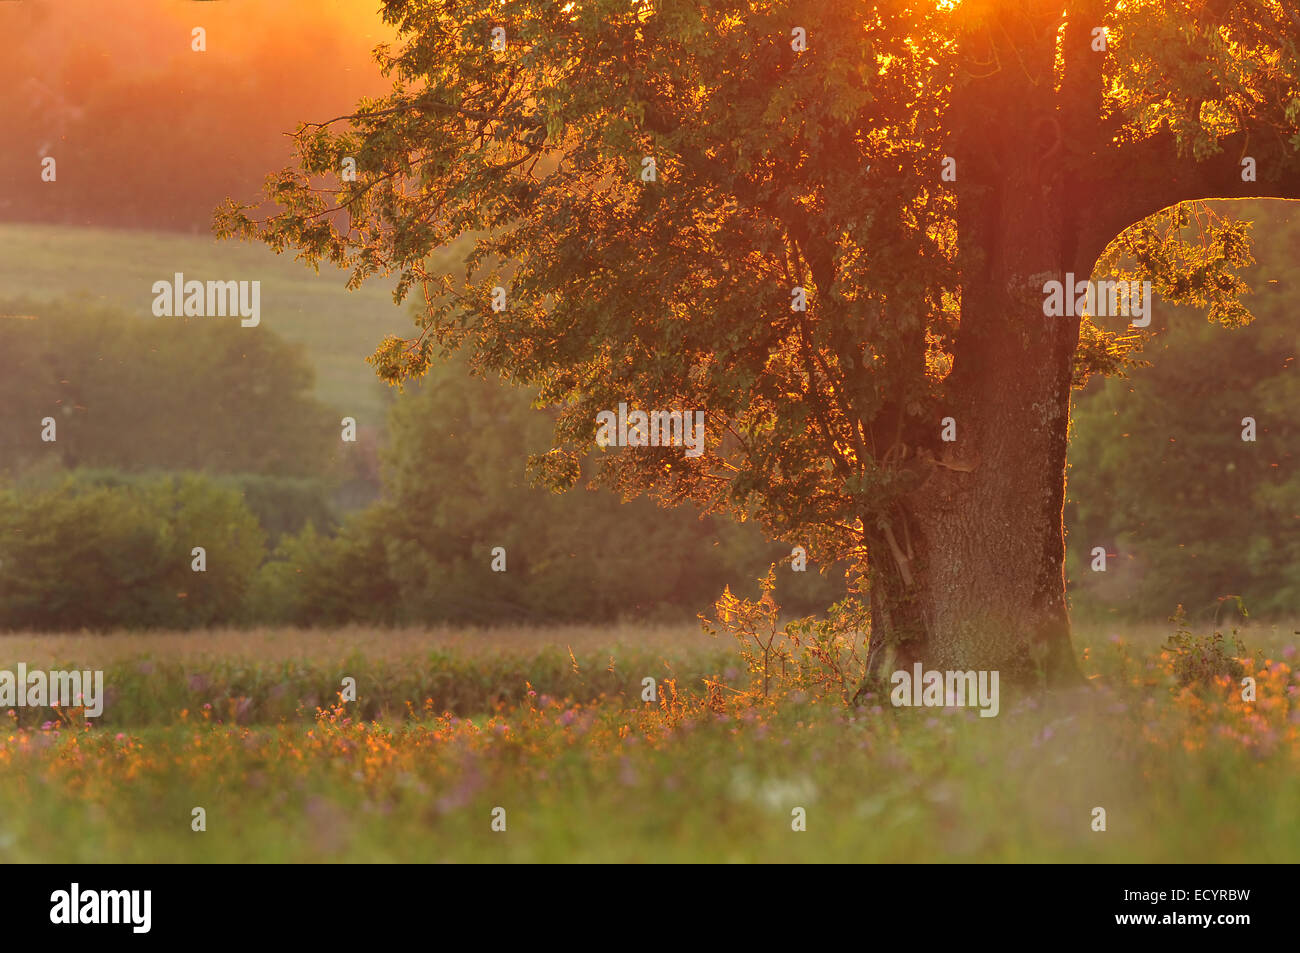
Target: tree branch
(1139, 179)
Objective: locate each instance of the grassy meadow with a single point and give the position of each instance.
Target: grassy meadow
(337, 328)
(551, 726)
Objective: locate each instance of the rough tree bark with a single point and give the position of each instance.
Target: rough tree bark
(980, 582)
(1042, 188)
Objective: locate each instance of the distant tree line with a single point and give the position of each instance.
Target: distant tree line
(174, 435)
(1184, 472)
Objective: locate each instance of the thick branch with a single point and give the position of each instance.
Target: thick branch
(1141, 178)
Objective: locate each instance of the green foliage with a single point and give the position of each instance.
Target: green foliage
(1160, 476)
(312, 579)
(457, 464)
(281, 505)
(1199, 78)
(1194, 255)
(667, 297)
(456, 487)
(813, 655)
(80, 555)
(775, 168)
(1201, 660)
(203, 394)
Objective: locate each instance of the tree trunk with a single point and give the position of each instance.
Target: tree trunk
(973, 577)
(984, 547)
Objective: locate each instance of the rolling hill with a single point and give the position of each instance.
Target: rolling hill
(336, 327)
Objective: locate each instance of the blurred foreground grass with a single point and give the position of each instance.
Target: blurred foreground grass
(450, 725)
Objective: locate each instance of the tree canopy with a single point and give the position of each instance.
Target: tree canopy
(655, 185)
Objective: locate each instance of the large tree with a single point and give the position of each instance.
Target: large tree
(802, 145)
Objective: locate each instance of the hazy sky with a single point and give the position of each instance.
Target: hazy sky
(148, 132)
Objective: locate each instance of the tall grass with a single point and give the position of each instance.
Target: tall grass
(449, 726)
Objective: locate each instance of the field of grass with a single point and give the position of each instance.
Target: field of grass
(551, 726)
(337, 328)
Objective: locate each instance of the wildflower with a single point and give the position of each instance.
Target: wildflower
(627, 774)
